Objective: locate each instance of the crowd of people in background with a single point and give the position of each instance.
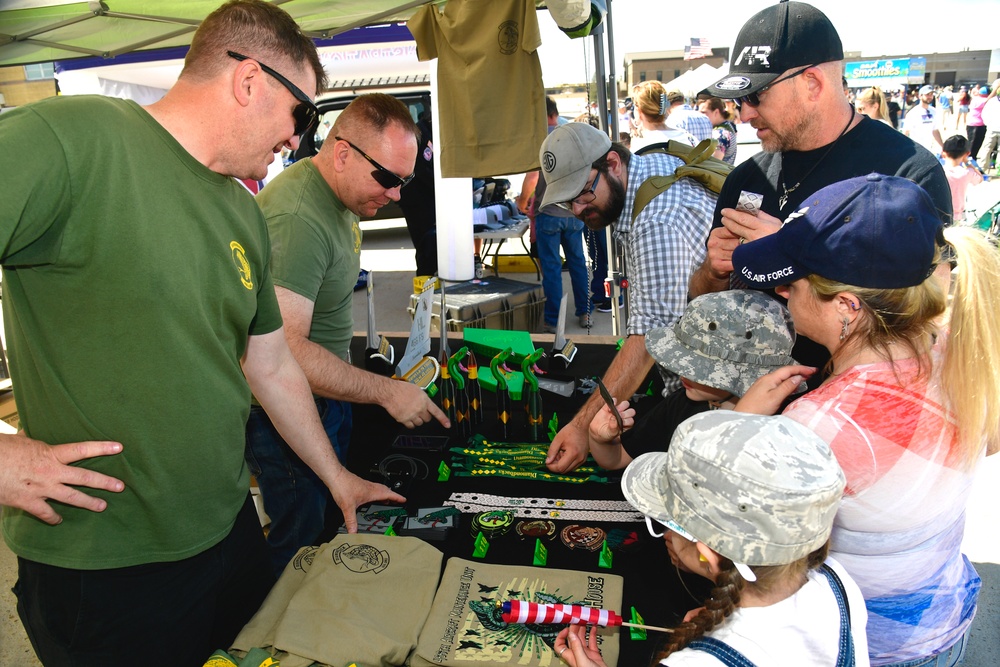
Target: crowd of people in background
(955, 110)
(932, 116)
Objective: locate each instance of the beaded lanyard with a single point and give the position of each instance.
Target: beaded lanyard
(617, 511)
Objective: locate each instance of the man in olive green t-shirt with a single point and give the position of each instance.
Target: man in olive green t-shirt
(312, 211)
(140, 313)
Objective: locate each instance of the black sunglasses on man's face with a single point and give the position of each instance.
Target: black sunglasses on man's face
(382, 176)
(753, 99)
(305, 112)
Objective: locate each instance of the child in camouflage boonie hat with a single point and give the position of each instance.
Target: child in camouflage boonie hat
(722, 344)
(725, 341)
(748, 502)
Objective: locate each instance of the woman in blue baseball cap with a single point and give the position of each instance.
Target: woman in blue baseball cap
(911, 404)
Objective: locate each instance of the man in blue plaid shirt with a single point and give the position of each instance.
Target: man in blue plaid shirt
(685, 118)
(662, 245)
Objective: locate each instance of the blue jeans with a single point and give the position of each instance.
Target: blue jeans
(550, 233)
(950, 657)
(294, 497)
(597, 248)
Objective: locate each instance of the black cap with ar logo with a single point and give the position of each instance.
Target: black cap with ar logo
(774, 40)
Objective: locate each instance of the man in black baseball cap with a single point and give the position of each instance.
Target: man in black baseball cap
(786, 78)
(787, 36)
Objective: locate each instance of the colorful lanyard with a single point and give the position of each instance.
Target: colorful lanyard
(514, 461)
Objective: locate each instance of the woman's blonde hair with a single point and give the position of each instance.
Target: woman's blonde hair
(650, 97)
(970, 372)
(725, 597)
(874, 95)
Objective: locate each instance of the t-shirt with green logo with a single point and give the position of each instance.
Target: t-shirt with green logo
(315, 250)
(133, 276)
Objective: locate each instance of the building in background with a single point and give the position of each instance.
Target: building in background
(936, 69)
(666, 66)
(20, 84)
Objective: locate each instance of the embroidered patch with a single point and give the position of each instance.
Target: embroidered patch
(548, 161)
(582, 537)
(734, 83)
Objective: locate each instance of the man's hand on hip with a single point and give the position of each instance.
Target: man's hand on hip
(33, 473)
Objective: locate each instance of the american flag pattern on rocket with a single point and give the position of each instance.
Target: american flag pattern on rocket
(518, 611)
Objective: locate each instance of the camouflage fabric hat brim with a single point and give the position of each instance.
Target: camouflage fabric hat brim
(736, 377)
(641, 484)
(758, 490)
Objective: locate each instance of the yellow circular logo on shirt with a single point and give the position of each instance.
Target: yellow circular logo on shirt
(356, 231)
(242, 265)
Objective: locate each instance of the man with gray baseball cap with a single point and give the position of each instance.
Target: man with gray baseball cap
(786, 78)
(597, 181)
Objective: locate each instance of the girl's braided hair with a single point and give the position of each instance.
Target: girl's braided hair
(726, 595)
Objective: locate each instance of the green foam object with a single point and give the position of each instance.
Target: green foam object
(489, 343)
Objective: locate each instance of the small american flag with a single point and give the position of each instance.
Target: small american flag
(700, 48)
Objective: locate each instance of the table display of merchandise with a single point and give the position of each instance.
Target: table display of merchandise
(496, 527)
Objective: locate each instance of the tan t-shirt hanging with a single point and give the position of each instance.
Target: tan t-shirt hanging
(358, 598)
(489, 81)
(464, 628)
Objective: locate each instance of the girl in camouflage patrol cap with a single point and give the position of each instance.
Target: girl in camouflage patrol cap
(747, 502)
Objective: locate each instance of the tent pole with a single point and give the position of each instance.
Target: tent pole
(600, 78)
(612, 84)
(606, 112)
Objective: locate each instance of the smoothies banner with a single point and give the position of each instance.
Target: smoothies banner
(886, 74)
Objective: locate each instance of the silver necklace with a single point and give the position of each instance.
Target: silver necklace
(785, 191)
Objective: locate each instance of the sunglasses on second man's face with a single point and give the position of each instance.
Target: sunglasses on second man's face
(382, 176)
(305, 112)
(753, 99)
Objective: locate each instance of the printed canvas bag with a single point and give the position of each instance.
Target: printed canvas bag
(464, 628)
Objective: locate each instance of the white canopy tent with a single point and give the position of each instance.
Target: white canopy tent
(33, 31)
(145, 82)
(696, 80)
